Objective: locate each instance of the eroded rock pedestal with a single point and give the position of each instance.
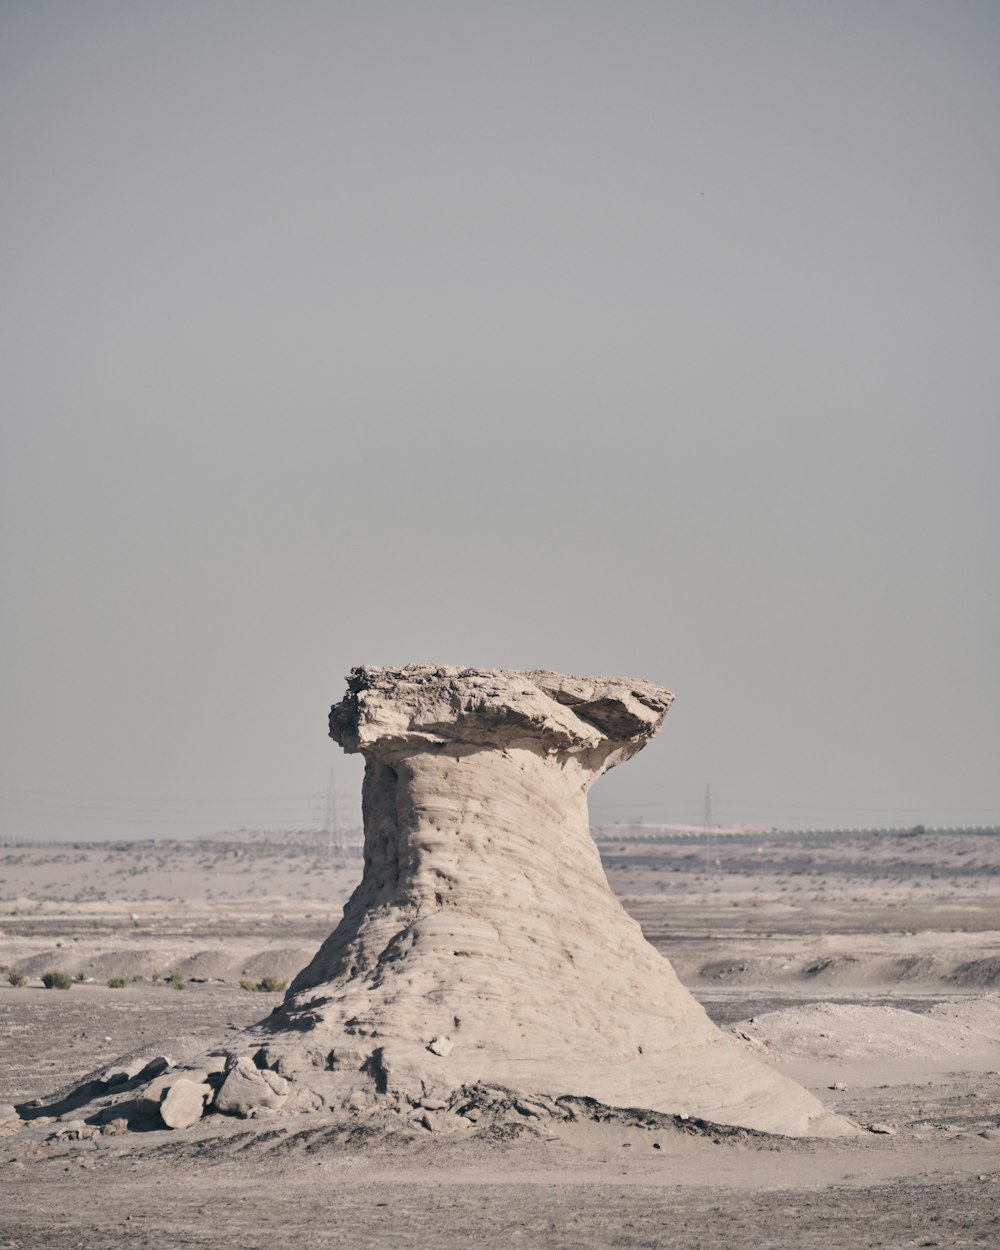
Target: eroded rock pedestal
(483, 945)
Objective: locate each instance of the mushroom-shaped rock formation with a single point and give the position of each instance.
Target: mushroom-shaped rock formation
(483, 945)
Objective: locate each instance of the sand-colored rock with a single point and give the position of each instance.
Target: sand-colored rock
(151, 1098)
(248, 1090)
(483, 943)
(184, 1103)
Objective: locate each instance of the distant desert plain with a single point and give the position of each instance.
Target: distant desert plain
(866, 967)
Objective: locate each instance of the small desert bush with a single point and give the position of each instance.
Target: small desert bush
(177, 981)
(116, 983)
(56, 980)
(267, 985)
(17, 979)
(80, 978)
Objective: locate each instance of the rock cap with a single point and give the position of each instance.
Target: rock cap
(392, 711)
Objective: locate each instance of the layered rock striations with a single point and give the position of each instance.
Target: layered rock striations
(483, 945)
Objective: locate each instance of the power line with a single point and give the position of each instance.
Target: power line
(25, 796)
(757, 805)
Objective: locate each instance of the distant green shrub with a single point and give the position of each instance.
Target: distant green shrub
(116, 983)
(57, 980)
(267, 985)
(80, 978)
(17, 979)
(177, 981)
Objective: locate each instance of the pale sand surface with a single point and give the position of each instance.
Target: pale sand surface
(865, 962)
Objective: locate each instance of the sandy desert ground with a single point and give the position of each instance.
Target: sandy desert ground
(867, 967)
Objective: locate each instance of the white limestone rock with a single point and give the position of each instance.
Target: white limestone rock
(484, 918)
(248, 1090)
(184, 1102)
(151, 1097)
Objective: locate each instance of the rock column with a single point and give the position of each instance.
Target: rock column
(483, 944)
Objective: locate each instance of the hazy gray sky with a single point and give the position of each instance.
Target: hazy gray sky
(627, 338)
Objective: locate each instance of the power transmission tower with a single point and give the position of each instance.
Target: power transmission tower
(711, 843)
(334, 840)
